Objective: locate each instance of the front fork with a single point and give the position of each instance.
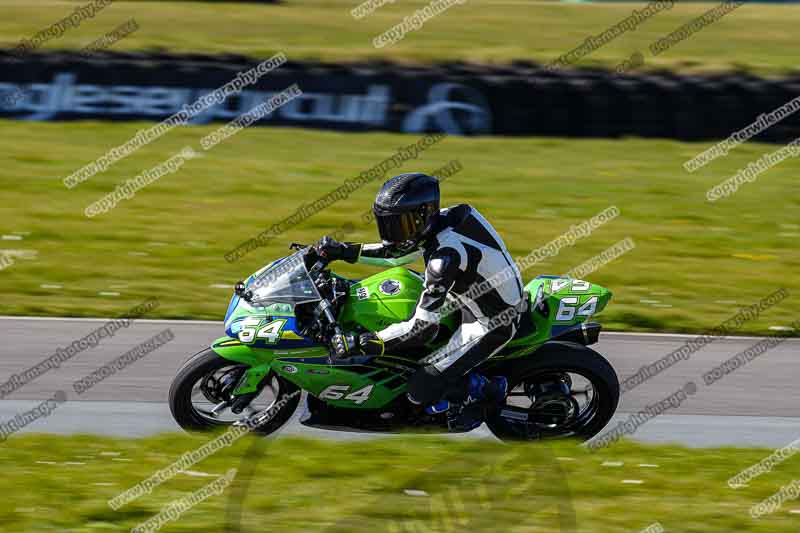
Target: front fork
(249, 386)
(254, 378)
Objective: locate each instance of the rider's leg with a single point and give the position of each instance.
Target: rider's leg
(445, 374)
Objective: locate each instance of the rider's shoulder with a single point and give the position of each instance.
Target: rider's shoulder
(455, 213)
(451, 218)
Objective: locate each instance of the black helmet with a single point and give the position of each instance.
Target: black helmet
(406, 208)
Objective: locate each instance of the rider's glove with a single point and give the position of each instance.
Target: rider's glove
(370, 344)
(364, 344)
(343, 344)
(333, 250)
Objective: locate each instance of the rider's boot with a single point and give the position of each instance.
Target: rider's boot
(434, 409)
(482, 395)
(439, 407)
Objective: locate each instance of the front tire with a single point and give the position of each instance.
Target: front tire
(553, 360)
(183, 394)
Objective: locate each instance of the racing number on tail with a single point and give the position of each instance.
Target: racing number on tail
(568, 306)
(567, 311)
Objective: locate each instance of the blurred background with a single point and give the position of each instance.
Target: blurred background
(541, 148)
(551, 113)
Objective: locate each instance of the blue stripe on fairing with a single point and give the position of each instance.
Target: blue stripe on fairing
(231, 307)
(547, 276)
(291, 325)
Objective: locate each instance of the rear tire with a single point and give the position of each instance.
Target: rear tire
(559, 357)
(199, 366)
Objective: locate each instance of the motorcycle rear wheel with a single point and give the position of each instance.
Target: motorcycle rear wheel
(546, 382)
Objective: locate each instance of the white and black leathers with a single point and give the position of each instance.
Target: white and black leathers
(462, 251)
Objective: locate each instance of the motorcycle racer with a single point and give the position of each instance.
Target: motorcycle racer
(461, 251)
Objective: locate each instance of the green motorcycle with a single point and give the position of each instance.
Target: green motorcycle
(278, 328)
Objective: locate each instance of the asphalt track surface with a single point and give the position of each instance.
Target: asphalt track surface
(756, 405)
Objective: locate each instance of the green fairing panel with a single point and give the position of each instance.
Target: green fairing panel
(363, 386)
(571, 302)
(390, 261)
(384, 299)
(233, 350)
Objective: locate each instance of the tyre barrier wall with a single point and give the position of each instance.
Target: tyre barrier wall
(517, 99)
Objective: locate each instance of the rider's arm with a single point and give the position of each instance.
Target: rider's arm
(380, 255)
(366, 254)
(440, 276)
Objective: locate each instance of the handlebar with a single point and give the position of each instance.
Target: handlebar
(325, 307)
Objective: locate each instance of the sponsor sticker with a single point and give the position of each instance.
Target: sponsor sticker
(390, 287)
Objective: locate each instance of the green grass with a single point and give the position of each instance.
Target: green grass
(760, 38)
(307, 485)
(168, 241)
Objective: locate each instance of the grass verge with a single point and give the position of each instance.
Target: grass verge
(759, 38)
(397, 484)
(695, 263)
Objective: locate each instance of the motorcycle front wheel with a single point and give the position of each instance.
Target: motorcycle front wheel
(202, 387)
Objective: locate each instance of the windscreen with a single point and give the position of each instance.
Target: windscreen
(285, 281)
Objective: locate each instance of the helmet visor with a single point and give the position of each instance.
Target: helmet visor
(397, 227)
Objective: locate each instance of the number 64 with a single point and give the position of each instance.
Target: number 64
(568, 310)
(270, 332)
